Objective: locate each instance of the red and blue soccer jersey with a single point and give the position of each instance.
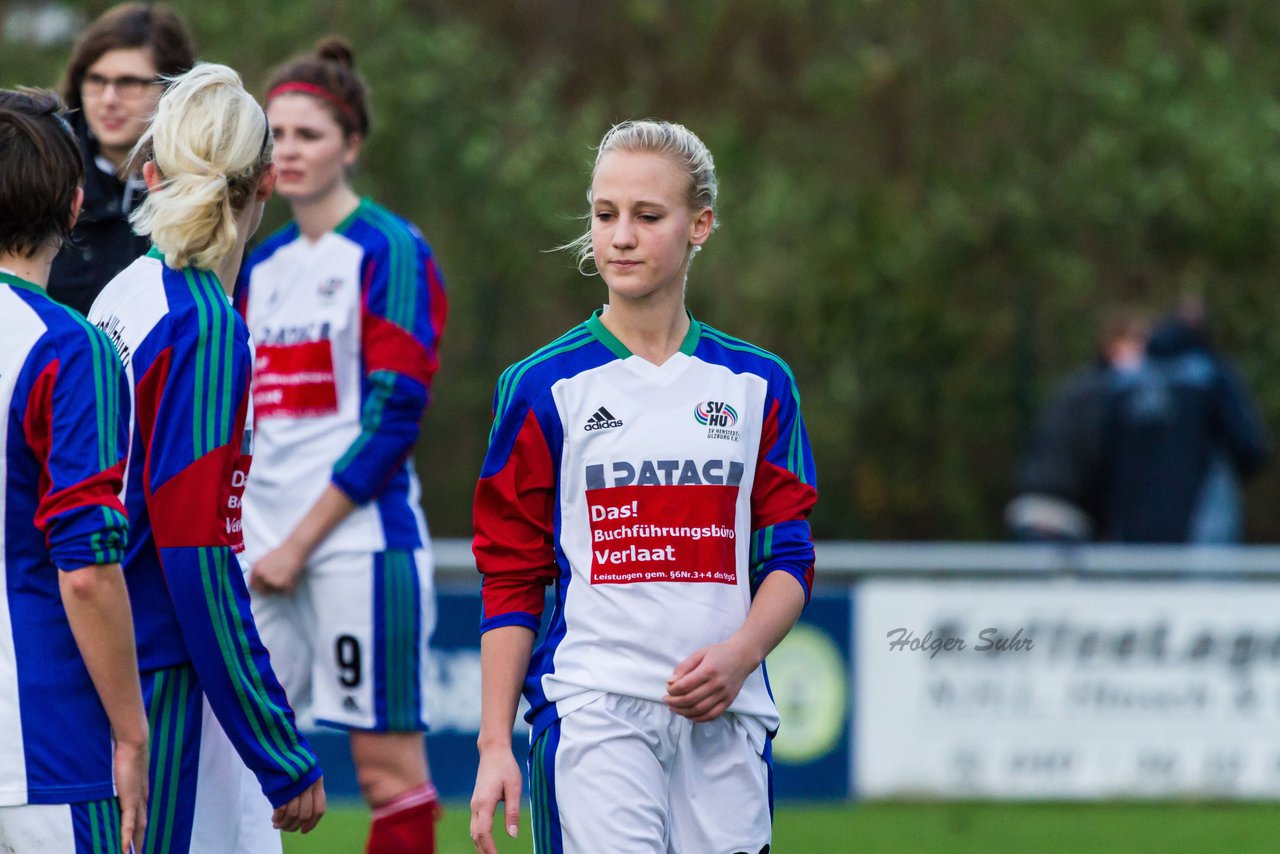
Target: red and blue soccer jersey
(655, 498)
(63, 436)
(188, 357)
(346, 330)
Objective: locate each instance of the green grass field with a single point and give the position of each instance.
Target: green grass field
(951, 828)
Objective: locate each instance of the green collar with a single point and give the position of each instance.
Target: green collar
(341, 228)
(18, 282)
(597, 328)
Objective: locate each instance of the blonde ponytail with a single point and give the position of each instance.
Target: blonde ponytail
(210, 144)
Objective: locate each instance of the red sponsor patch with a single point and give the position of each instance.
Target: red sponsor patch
(294, 380)
(662, 533)
(235, 502)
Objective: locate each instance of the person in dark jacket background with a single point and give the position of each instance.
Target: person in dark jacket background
(112, 84)
(1058, 487)
(1181, 433)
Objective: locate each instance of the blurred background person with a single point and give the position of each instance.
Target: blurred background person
(1181, 433)
(1059, 482)
(346, 307)
(111, 86)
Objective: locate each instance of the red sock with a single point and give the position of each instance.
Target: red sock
(406, 825)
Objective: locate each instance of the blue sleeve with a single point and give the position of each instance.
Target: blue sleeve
(76, 410)
(784, 491)
(403, 310)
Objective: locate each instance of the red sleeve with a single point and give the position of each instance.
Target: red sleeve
(513, 520)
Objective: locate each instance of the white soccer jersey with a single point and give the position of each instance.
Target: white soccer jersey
(346, 329)
(656, 498)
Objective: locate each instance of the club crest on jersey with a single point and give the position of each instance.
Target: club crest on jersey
(601, 419)
(328, 288)
(719, 418)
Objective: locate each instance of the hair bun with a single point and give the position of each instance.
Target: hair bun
(336, 49)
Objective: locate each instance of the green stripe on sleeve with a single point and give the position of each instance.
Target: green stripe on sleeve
(402, 257)
(370, 418)
(216, 378)
(98, 402)
(234, 646)
(505, 382)
(101, 392)
(273, 713)
(235, 669)
(223, 355)
(529, 363)
(794, 454)
(198, 440)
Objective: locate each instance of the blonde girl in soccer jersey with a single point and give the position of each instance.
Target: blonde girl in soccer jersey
(73, 731)
(346, 308)
(229, 766)
(656, 473)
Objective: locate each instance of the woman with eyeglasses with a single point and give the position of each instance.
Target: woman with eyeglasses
(112, 85)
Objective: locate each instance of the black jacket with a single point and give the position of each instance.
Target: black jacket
(1064, 458)
(1165, 424)
(102, 243)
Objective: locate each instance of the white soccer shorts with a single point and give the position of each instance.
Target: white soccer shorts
(349, 645)
(629, 776)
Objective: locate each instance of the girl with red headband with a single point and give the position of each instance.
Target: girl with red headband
(346, 309)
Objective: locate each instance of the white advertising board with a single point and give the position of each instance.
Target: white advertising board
(1067, 689)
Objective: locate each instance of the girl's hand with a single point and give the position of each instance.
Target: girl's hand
(707, 682)
(497, 779)
(278, 571)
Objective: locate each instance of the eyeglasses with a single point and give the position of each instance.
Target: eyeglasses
(126, 87)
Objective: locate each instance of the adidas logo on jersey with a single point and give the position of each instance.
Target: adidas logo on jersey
(601, 419)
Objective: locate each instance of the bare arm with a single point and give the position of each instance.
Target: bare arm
(280, 569)
(504, 661)
(707, 682)
(97, 606)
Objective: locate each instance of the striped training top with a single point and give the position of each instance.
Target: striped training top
(188, 358)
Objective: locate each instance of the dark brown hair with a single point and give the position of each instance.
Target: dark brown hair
(130, 25)
(41, 170)
(329, 75)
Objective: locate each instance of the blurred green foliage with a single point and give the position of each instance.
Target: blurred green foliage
(925, 204)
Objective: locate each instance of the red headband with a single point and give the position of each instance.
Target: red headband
(319, 92)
